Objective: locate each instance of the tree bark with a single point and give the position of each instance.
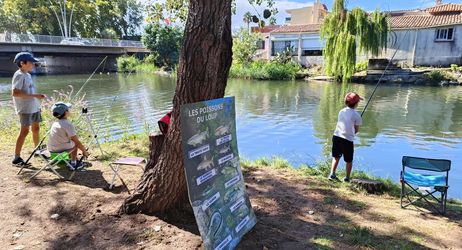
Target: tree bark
(203, 70)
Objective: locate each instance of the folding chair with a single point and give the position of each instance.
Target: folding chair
(52, 162)
(128, 161)
(427, 184)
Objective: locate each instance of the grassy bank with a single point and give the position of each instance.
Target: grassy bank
(265, 70)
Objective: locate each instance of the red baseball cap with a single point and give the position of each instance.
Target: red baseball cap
(352, 98)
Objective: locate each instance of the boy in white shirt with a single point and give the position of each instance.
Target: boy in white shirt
(26, 102)
(342, 142)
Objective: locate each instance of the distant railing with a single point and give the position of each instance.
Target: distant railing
(59, 40)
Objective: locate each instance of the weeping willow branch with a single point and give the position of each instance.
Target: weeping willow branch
(350, 32)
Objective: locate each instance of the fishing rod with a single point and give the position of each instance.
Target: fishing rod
(383, 73)
(89, 78)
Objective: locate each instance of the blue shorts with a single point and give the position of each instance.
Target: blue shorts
(27, 119)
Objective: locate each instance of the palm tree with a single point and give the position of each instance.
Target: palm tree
(247, 19)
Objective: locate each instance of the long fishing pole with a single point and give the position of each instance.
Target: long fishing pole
(89, 78)
(383, 73)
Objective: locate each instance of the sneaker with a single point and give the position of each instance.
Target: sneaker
(346, 179)
(17, 161)
(333, 177)
(76, 166)
(37, 153)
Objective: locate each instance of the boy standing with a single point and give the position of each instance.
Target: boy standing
(26, 102)
(63, 135)
(342, 142)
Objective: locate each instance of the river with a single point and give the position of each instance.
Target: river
(292, 119)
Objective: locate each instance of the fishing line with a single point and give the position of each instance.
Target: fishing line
(383, 73)
(89, 78)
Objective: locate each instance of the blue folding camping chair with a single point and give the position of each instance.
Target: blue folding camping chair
(425, 185)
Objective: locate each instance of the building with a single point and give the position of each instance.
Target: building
(428, 37)
(307, 15)
(300, 34)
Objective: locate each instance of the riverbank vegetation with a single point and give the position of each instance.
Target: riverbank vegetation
(246, 66)
(348, 32)
(265, 70)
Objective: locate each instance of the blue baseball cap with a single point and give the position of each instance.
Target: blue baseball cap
(60, 108)
(24, 56)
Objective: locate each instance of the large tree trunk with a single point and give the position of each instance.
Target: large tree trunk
(202, 75)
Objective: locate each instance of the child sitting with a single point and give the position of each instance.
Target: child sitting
(63, 135)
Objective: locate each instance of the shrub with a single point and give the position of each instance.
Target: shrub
(127, 63)
(245, 46)
(361, 66)
(454, 67)
(438, 76)
(263, 70)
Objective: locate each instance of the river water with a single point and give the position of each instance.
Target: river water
(292, 119)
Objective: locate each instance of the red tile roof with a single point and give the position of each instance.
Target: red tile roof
(298, 28)
(424, 21)
(265, 29)
(450, 7)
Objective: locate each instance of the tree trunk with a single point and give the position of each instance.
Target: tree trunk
(203, 70)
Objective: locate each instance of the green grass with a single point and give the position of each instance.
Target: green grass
(323, 242)
(265, 70)
(146, 68)
(362, 236)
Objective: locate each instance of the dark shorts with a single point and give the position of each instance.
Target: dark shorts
(27, 119)
(342, 147)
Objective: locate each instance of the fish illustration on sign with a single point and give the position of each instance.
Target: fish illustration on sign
(205, 164)
(215, 224)
(198, 138)
(222, 130)
(225, 149)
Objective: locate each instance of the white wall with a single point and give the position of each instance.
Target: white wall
(419, 48)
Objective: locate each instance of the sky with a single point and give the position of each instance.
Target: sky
(282, 5)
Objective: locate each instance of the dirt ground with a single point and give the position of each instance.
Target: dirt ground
(293, 212)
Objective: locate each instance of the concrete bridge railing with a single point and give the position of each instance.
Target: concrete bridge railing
(59, 40)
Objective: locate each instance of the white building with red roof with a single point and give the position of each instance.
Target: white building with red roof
(428, 37)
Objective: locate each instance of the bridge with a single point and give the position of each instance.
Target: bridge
(61, 55)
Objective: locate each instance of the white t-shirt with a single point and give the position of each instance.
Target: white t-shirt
(347, 119)
(60, 136)
(24, 105)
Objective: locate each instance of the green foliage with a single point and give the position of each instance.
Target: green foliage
(454, 67)
(90, 18)
(164, 42)
(361, 66)
(284, 56)
(348, 32)
(127, 63)
(264, 70)
(150, 59)
(439, 75)
(245, 46)
(177, 11)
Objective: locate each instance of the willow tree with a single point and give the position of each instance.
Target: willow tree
(347, 33)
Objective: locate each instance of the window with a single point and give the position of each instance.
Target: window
(261, 44)
(280, 46)
(446, 34)
(312, 53)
